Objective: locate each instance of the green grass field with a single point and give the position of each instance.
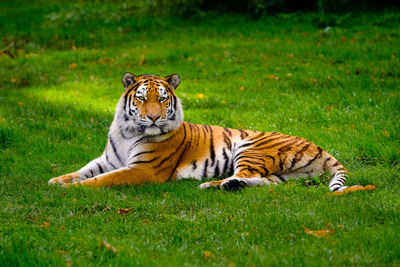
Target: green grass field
(337, 86)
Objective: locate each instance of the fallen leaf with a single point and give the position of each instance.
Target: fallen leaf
(353, 189)
(44, 225)
(124, 211)
(289, 75)
(320, 233)
(63, 252)
(106, 245)
(207, 254)
(199, 95)
(72, 66)
(165, 194)
(68, 263)
(386, 133)
(272, 192)
(273, 77)
(357, 71)
(242, 88)
(107, 208)
(328, 108)
(370, 187)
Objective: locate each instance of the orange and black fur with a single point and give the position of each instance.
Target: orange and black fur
(148, 141)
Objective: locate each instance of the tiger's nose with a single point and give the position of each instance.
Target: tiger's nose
(153, 117)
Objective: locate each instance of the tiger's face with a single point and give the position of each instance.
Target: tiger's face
(150, 104)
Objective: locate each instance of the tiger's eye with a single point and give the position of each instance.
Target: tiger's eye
(141, 98)
(162, 99)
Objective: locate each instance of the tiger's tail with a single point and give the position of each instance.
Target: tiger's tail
(339, 175)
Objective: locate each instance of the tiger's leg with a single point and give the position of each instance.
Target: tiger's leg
(317, 162)
(252, 169)
(95, 167)
(123, 176)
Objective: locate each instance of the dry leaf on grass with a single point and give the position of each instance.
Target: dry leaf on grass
(320, 233)
(72, 66)
(353, 189)
(273, 77)
(106, 245)
(207, 254)
(106, 208)
(45, 224)
(200, 95)
(124, 211)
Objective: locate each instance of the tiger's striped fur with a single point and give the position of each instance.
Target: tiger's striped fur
(148, 141)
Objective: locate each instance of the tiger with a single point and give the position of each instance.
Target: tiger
(149, 141)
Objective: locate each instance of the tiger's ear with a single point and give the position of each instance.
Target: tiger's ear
(128, 79)
(173, 80)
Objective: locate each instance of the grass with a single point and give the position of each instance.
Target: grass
(338, 87)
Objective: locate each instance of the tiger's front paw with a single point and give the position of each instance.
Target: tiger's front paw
(67, 178)
(210, 184)
(233, 184)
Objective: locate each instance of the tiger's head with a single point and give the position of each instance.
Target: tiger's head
(149, 104)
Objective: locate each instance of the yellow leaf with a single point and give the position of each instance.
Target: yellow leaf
(353, 189)
(165, 194)
(45, 224)
(106, 245)
(320, 233)
(199, 95)
(72, 66)
(207, 254)
(273, 77)
(241, 88)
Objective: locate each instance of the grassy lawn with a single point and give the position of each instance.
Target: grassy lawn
(337, 86)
